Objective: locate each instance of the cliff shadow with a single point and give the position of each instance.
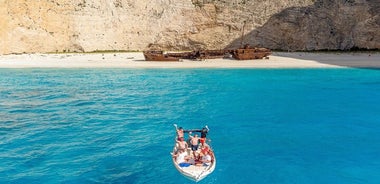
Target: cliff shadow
(326, 25)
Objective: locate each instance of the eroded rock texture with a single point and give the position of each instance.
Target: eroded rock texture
(88, 25)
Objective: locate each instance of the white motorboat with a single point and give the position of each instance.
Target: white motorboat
(193, 169)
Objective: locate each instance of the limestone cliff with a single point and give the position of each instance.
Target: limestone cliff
(89, 25)
(323, 25)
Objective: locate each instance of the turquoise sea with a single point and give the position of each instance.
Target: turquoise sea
(283, 126)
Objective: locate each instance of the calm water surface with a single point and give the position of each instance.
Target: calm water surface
(115, 125)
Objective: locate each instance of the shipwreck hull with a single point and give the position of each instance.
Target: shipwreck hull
(249, 54)
(211, 54)
(159, 56)
(245, 53)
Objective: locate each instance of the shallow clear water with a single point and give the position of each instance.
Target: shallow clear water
(115, 125)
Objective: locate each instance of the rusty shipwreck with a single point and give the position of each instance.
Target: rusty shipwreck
(244, 53)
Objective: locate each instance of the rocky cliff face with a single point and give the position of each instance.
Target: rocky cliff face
(323, 25)
(89, 25)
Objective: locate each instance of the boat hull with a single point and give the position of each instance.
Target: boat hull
(248, 54)
(195, 173)
(159, 56)
(198, 176)
(245, 53)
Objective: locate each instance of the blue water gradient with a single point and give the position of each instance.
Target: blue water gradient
(115, 125)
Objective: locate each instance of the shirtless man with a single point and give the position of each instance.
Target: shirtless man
(203, 132)
(182, 144)
(180, 133)
(194, 140)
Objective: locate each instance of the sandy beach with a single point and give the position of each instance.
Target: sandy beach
(136, 60)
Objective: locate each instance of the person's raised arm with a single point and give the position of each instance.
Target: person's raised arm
(207, 128)
(194, 130)
(190, 134)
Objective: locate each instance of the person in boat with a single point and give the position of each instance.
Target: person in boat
(203, 132)
(205, 148)
(206, 159)
(182, 144)
(180, 132)
(182, 158)
(194, 141)
(192, 161)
